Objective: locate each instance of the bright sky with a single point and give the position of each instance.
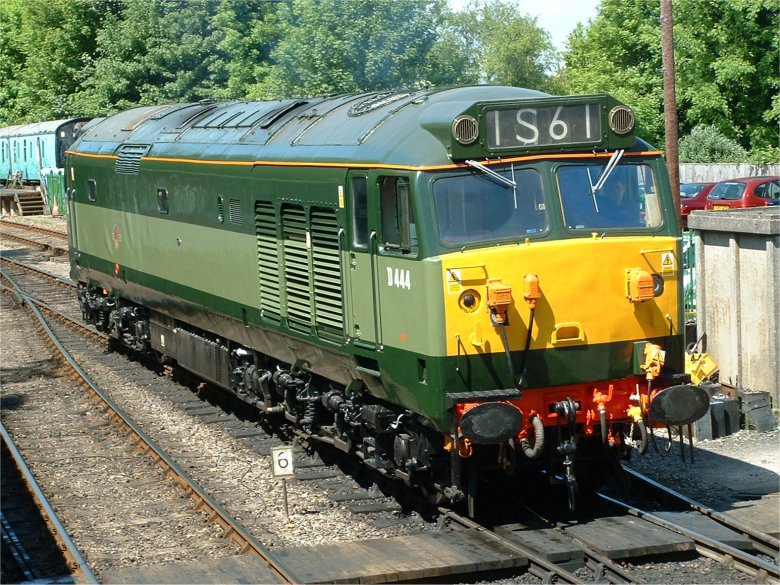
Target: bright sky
(558, 17)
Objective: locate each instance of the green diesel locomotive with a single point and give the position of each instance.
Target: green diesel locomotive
(443, 283)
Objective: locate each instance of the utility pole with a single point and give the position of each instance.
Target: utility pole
(670, 103)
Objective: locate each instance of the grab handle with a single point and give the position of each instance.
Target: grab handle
(568, 333)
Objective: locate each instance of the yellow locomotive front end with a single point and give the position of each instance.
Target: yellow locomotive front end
(562, 294)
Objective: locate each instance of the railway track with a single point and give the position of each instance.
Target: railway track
(408, 533)
(38, 237)
(763, 551)
(404, 547)
(679, 530)
(35, 544)
(66, 419)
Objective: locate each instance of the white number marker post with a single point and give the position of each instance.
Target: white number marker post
(282, 459)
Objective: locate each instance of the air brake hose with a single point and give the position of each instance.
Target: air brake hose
(536, 451)
(642, 449)
(505, 341)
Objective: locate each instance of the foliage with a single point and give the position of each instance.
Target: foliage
(764, 156)
(725, 56)
(492, 42)
(727, 53)
(249, 32)
(331, 46)
(42, 44)
(63, 58)
(706, 144)
(151, 53)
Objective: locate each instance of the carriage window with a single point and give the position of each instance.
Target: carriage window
(627, 199)
(92, 190)
(398, 228)
(359, 212)
(477, 207)
(162, 201)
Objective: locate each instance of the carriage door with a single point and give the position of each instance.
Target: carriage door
(361, 262)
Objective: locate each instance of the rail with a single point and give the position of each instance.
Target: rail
(68, 547)
(709, 547)
(216, 512)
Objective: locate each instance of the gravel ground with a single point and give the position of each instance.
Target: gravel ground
(738, 467)
(731, 473)
(726, 470)
(58, 223)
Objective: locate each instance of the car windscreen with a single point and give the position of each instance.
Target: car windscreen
(731, 190)
(690, 190)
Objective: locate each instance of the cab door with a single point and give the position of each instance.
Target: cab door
(360, 261)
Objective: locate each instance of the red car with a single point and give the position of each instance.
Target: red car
(693, 196)
(746, 192)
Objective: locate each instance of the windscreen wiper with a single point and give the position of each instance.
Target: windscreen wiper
(493, 174)
(604, 175)
(511, 183)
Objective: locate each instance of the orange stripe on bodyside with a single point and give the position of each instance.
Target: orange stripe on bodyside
(271, 163)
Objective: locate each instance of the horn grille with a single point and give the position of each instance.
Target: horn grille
(465, 129)
(621, 120)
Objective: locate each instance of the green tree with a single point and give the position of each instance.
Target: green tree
(12, 58)
(249, 31)
(491, 41)
(351, 45)
(619, 53)
(42, 49)
(154, 52)
(706, 144)
(726, 57)
(451, 60)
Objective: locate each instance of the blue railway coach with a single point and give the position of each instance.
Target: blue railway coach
(29, 148)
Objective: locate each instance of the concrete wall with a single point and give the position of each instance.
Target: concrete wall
(738, 294)
(711, 173)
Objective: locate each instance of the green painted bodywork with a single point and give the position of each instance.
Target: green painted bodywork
(200, 259)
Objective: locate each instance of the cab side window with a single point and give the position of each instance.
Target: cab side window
(399, 232)
(360, 212)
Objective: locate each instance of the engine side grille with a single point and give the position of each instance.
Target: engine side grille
(297, 274)
(328, 301)
(267, 260)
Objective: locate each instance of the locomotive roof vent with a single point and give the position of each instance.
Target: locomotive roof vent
(621, 119)
(376, 101)
(465, 129)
